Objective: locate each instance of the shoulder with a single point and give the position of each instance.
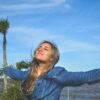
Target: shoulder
(58, 68)
(56, 71)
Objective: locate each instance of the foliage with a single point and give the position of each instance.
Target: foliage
(13, 92)
(1, 71)
(4, 25)
(23, 64)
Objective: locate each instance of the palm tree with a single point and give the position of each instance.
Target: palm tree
(4, 25)
(23, 65)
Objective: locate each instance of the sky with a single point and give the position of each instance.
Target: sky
(73, 25)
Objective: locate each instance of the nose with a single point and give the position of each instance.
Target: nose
(40, 49)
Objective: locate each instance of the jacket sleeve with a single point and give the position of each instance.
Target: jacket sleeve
(78, 78)
(15, 73)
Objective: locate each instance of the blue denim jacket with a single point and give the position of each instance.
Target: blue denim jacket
(50, 85)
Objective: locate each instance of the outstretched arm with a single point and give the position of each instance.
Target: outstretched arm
(67, 78)
(15, 73)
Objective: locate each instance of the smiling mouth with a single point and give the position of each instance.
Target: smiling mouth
(40, 53)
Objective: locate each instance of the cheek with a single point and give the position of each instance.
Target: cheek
(46, 56)
(46, 53)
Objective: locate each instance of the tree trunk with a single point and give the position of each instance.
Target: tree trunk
(4, 61)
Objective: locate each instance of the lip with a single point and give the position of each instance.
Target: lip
(40, 53)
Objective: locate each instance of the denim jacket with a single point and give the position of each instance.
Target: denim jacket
(50, 85)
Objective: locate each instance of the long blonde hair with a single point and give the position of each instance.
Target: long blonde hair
(29, 83)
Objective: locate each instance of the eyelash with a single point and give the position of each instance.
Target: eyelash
(44, 49)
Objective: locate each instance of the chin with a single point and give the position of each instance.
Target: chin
(40, 60)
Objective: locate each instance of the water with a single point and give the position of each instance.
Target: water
(84, 92)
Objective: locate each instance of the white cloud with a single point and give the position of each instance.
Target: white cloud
(30, 37)
(24, 6)
(33, 6)
(97, 38)
(67, 44)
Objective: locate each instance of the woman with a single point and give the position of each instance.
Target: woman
(43, 81)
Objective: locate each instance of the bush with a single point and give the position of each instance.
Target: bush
(13, 92)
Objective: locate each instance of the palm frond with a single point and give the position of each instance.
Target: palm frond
(4, 25)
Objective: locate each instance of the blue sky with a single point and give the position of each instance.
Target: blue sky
(74, 25)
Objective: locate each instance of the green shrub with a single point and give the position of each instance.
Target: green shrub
(13, 92)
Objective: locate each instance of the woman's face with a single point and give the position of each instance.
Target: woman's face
(44, 52)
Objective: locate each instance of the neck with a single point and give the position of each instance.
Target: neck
(43, 68)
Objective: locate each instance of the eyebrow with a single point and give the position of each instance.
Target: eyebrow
(44, 46)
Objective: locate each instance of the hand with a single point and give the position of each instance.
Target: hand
(8, 65)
